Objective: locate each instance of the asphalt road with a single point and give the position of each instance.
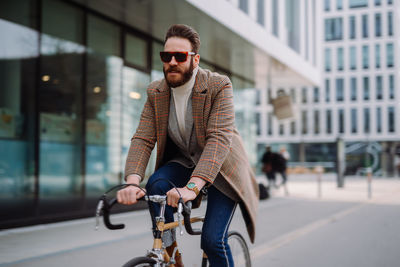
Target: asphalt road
(291, 231)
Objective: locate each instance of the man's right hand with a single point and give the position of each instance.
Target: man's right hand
(129, 195)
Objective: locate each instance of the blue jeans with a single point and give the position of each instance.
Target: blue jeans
(220, 210)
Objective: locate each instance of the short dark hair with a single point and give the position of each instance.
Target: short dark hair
(186, 32)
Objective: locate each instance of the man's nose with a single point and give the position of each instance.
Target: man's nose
(173, 61)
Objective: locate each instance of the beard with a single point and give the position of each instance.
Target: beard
(186, 75)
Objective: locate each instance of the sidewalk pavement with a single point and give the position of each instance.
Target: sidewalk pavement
(356, 188)
(20, 244)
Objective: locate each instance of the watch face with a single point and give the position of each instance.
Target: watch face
(191, 185)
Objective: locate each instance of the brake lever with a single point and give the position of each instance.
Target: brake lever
(100, 206)
(180, 209)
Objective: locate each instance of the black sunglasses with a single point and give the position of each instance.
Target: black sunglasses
(180, 57)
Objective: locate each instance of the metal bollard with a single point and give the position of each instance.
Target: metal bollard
(319, 170)
(369, 181)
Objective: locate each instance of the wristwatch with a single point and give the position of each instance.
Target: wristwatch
(192, 186)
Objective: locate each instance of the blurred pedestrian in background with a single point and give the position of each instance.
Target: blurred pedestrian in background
(275, 163)
(267, 167)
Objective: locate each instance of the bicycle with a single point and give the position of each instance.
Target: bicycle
(158, 256)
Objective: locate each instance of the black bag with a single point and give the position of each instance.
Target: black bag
(264, 191)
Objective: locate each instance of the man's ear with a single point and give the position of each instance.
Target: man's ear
(196, 60)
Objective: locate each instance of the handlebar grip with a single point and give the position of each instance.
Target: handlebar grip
(187, 209)
(106, 215)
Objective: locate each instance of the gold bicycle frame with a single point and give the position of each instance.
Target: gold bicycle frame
(161, 226)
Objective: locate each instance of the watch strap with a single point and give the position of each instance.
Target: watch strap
(192, 186)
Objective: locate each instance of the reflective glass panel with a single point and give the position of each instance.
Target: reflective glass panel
(157, 65)
(134, 84)
(136, 51)
(60, 107)
(103, 107)
(244, 96)
(19, 50)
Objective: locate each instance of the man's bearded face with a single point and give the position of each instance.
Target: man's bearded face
(178, 75)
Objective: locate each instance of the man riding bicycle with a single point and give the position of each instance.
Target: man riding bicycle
(190, 115)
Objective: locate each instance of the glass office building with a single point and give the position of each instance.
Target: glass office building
(73, 78)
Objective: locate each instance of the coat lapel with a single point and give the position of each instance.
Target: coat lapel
(161, 110)
(198, 100)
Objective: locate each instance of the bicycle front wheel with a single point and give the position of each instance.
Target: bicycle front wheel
(240, 251)
(141, 262)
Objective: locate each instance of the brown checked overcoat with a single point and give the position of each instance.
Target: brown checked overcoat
(213, 118)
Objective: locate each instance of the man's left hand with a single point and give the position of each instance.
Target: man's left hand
(173, 196)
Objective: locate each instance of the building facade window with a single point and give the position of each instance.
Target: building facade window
(341, 120)
(275, 18)
(136, 51)
(377, 56)
(18, 68)
(328, 121)
(391, 120)
(281, 129)
(339, 4)
(328, 60)
(378, 25)
(293, 95)
(390, 2)
(353, 120)
(60, 101)
(391, 87)
(389, 55)
(333, 29)
(364, 26)
(390, 23)
(378, 2)
(261, 12)
(358, 3)
(244, 6)
(292, 13)
(366, 120)
(269, 124)
(353, 92)
(316, 122)
(327, 5)
(340, 58)
(304, 95)
(304, 126)
(258, 123)
(104, 64)
(327, 90)
(292, 127)
(316, 94)
(378, 120)
(366, 88)
(339, 89)
(353, 58)
(352, 27)
(258, 97)
(379, 88)
(365, 56)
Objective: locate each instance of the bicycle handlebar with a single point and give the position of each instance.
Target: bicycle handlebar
(187, 209)
(105, 206)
